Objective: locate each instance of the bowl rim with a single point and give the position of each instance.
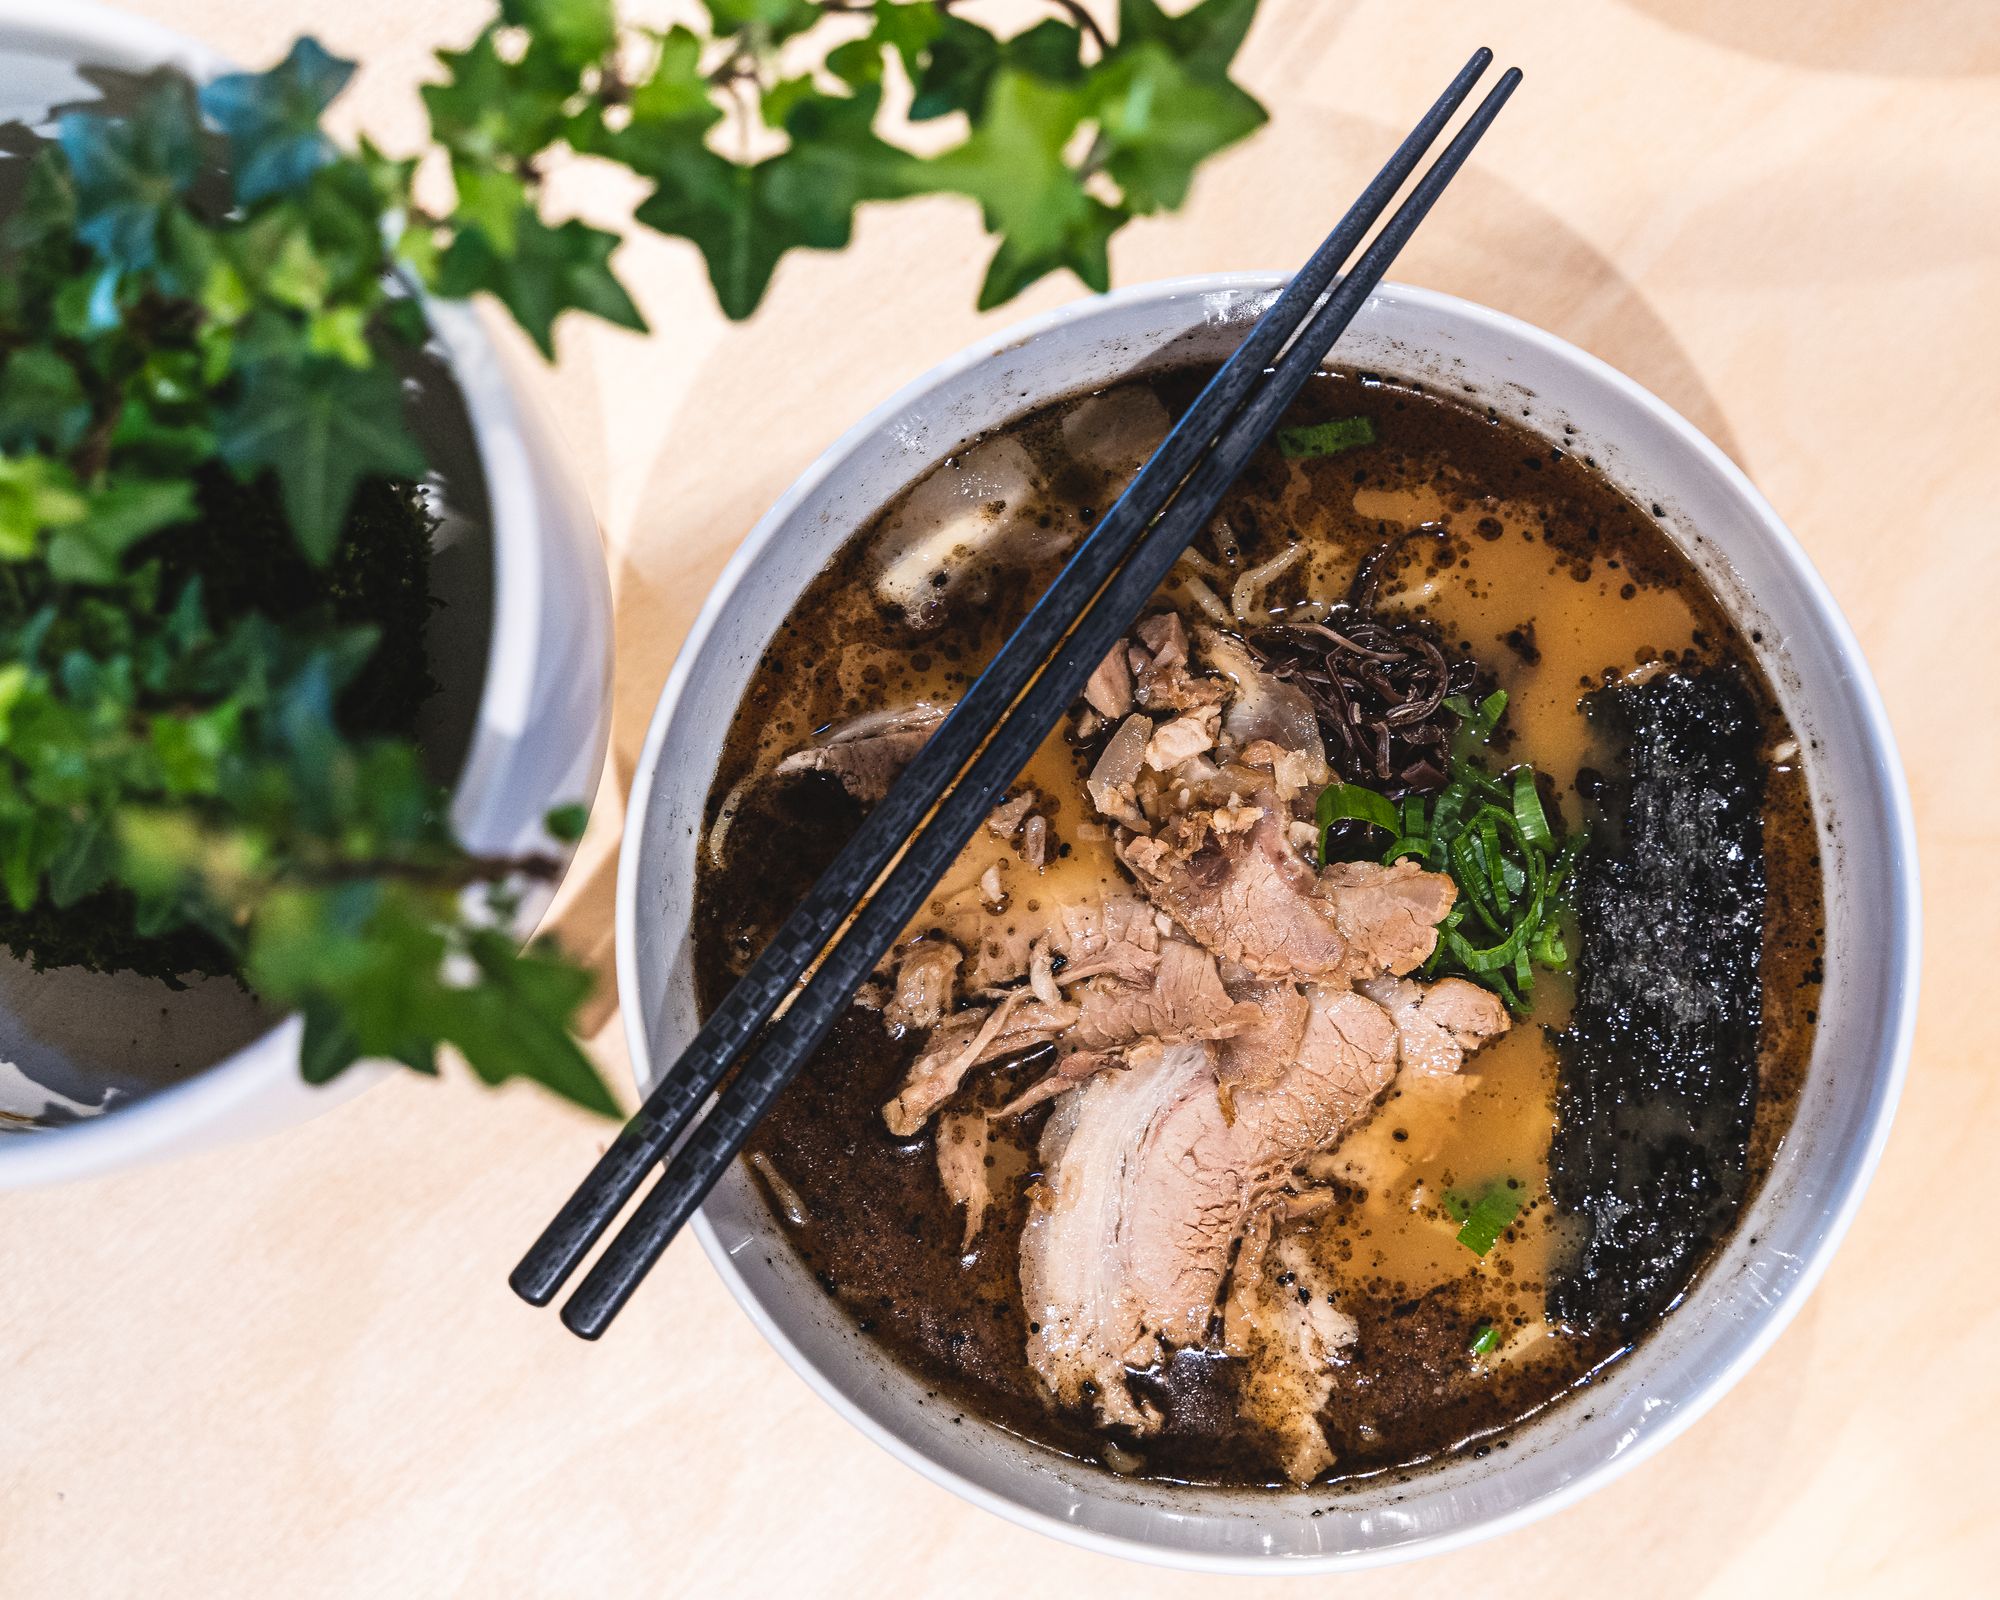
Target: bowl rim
(1900, 851)
(154, 1124)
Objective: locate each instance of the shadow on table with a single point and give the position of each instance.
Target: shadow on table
(1671, 1526)
(1914, 38)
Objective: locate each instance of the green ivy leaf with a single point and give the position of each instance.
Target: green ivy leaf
(776, 20)
(745, 217)
(83, 863)
(579, 31)
(149, 442)
(46, 213)
(330, 1046)
(129, 171)
(956, 68)
(1013, 166)
(552, 270)
(1205, 37)
(27, 845)
(322, 427)
(119, 516)
(495, 111)
(41, 399)
(908, 27)
(1160, 119)
(1050, 50)
(958, 63)
(271, 119)
(513, 1024)
(675, 93)
(491, 199)
(35, 494)
(191, 748)
(1084, 249)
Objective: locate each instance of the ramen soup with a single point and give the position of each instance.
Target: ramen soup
(1373, 1003)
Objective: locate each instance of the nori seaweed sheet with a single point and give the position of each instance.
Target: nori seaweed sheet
(1658, 1066)
(242, 548)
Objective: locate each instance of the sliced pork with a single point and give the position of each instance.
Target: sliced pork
(869, 753)
(1184, 1000)
(1293, 1333)
(964, 1144)
(1232, 879)
(1208, 1043)
(926, 975)
(1439, 1024)
(1387, 915)
(966, 1040)
(1265, 708)
(1147, 1184)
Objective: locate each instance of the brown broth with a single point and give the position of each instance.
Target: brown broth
(1557, 584)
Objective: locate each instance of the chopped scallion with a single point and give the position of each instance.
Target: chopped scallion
(1499, 844)
(1349, 802)
(1528, 814)
(1485, 1341)
(1489, 1218)
(1479, 720)
(1489, 845)
(1325, 438)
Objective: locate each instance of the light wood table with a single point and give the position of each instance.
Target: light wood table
(295, 1368)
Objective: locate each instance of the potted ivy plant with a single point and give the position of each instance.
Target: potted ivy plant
(227, 494)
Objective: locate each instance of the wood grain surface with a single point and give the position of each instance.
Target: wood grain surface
(294, 1368)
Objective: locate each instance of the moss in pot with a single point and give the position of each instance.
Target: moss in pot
(212, 590)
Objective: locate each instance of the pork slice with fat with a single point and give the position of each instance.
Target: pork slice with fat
(1388, 916)
(1184, 1000)
(1437, 1024)
(867, 754)
(1242, 892)
(1148, 1183)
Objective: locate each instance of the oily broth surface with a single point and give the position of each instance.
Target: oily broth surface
(1557, 585)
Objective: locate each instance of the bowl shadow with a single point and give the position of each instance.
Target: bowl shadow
(1915, 38)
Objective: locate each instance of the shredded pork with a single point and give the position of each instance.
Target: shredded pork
(1208, 1038)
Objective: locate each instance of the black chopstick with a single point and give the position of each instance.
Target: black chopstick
(698, 1165)
(756, 997)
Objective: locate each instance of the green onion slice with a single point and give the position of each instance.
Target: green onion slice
(1528, 814)
(1485, 1341)
(1487, 1220)
(1325, 438)
(1349, 802)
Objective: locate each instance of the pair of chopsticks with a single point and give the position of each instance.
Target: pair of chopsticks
(1009, 709)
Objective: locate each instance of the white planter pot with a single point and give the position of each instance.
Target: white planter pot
(1739, 1304)
(522, 649)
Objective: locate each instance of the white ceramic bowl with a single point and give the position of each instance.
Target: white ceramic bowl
(522, 650)
(1745, 1297)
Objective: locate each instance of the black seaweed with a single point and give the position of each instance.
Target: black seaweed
(1658, 1083)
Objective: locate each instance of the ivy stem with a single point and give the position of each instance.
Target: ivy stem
(454, 874)
(1084, 20)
